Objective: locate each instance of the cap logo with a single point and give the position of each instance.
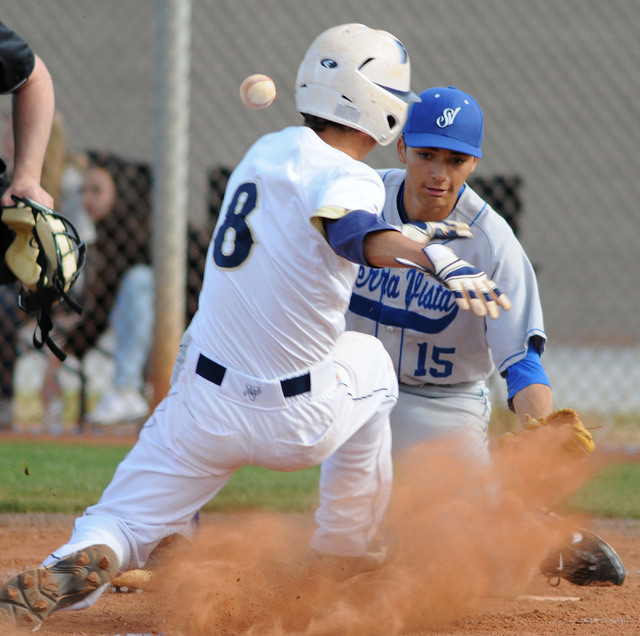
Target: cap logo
(447, 118)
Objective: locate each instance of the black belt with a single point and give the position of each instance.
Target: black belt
(214, 372)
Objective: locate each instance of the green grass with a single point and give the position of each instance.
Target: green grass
(252, 487)
(66, 478)
(49, 477)
(613, 492)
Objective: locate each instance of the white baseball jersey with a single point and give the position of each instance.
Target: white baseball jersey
(429, 339)
(268, 259)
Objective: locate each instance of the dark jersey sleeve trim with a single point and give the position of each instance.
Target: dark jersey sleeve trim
(346, 234)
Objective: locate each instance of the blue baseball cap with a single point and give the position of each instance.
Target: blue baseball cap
(445, 118)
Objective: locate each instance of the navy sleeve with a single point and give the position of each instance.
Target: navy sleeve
(346, 234)
(16, 60)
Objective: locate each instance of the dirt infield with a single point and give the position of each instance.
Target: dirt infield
(237, 578)
(540, 609)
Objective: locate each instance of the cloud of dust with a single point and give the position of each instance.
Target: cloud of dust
(464, 533)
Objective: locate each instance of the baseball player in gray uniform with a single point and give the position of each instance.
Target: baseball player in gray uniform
(443, 357)
(270, 376)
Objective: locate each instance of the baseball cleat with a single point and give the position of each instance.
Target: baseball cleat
(29, 597)
(586, 560)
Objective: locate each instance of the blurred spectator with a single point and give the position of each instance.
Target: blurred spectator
(119, 286)
(62, 176)
(25, 76)
(62, 173)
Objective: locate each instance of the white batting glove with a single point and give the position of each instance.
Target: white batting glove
(424, 231)
(471, 287)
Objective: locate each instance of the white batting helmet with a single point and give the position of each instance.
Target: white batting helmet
(359, 77)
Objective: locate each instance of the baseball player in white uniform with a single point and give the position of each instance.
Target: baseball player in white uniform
(444, 356)
(270, 376)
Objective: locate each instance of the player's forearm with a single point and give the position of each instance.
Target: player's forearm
(33, 108)
(535, 400)
(382, 248)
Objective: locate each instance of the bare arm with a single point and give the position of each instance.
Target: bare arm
(471, 288)
(535, 400)
(33, 108)
(363, 238)
(382, 248)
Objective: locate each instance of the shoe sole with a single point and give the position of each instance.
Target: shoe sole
(31, 596)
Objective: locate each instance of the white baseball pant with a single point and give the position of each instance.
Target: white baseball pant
(202, 432)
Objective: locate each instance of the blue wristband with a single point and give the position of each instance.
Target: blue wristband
(527, 371)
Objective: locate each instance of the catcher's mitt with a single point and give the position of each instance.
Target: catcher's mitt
(587, 560)
(580, 441)
(46, 256)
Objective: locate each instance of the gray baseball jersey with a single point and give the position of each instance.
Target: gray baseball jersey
(430, 341)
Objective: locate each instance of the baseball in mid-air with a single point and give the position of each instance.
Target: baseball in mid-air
(257, 91)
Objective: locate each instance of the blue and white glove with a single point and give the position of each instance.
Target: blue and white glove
(471, 287)
(424, 231)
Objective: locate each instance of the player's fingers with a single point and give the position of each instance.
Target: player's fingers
(459, 229)
(501, 298)
(456, 234)
(490, 304)
(494, 298)
(503, 301)
(483, 290)
(458, 294)
(469, 297)
(477, 303)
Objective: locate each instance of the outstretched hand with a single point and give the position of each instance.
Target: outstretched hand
(471, 287)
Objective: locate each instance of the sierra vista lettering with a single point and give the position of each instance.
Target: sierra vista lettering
(420, 289)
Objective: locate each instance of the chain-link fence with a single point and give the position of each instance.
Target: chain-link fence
(557, 81)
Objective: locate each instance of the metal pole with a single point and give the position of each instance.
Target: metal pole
(171, 187)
